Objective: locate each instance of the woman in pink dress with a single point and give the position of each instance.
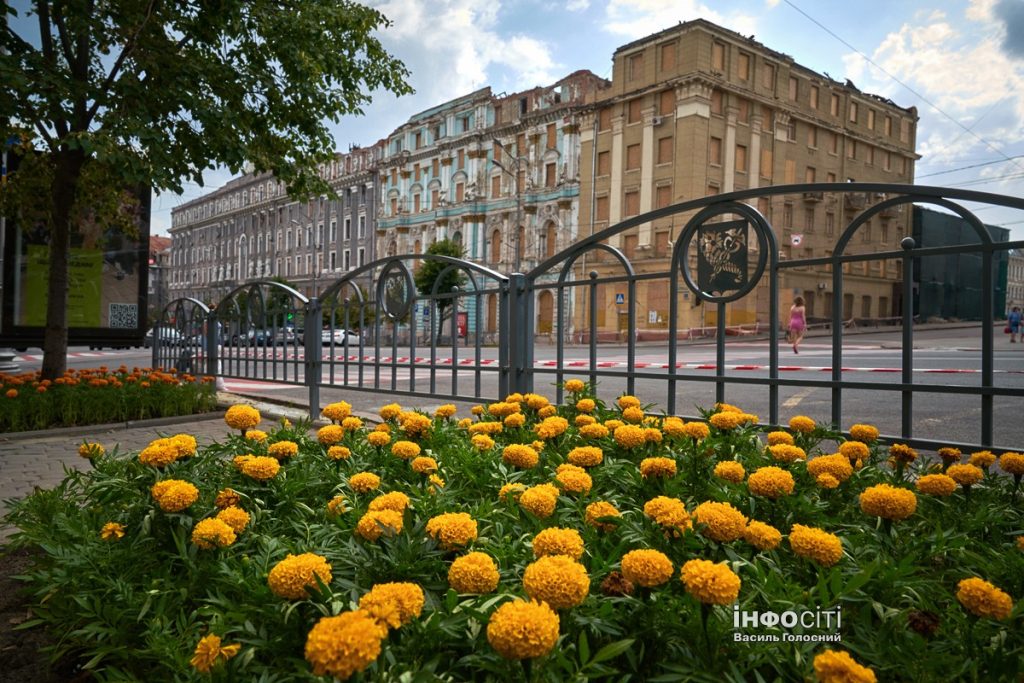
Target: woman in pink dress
(797, 323)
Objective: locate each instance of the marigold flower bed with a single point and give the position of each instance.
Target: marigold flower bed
(524, 543)
(98, 396)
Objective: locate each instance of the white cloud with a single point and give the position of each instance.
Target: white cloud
(638, 18)
(577, 5)
(771, 4)
(456, 46)
(958, 67)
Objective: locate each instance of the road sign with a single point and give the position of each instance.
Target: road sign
(620, 298)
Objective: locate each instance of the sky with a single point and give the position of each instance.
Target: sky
(960, 62)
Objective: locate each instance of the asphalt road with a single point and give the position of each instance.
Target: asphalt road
(942, 358)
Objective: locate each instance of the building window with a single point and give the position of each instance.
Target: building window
(346, 260)
(887, 161)
(334, 231)
(905, 128)
(634, 111)
(833, 143)
(668, 56)
(715, 151)
(604, 119)
(416, 203)
(790, 171)
(718, 56)
(667, 102)
(632, 157)
(812, 136)
(743, 115)
(495, 186)
(549, 175)
(347, 234)
(768, 76)
(460, 191)
(635, 66)
(810, 175)
(741, 158)
(869, 155)
(362, 226)
(787, 215)
(461, 159)
(632, 207)
(853, 112)
(601, 209)
(809, 219)
(743, 67)
(766, 163)
(794, 88)
(551, 136)
(604, 163)
(871, 119)
(830, 223)
(334, 260)
(767, 119)
(814, 97)
(888, 125)
(362, 257)
(663, 196)
(851, 149)
(834, 106)
(716, 102)
(665, 148)
(830, 177)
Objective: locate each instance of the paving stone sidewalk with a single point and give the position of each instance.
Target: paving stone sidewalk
(38, 461)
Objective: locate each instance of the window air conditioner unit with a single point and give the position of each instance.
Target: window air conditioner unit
(656, 120)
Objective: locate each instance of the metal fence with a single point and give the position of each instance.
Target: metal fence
(377, 330)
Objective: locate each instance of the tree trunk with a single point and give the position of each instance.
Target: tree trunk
(67, 170)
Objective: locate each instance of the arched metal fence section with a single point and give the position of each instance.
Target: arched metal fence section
(470, 333)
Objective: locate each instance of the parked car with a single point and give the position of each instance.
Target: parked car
(339, 337)
(168, 337)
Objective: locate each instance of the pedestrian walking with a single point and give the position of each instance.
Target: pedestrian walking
(797, 323)
(1013, 322)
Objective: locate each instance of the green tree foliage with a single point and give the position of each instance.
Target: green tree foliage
(152, 93)
(431, 270)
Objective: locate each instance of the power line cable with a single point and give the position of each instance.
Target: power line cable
(964, 168)
(897, 80)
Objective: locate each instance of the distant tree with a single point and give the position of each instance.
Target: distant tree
(430, 270)
(111, 95)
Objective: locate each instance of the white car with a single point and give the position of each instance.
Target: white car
(339, 337)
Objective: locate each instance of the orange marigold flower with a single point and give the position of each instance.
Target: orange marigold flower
(776, 438)
(936, 485)
(802, 424)
(815, 544)
(452, 530)
(393, 604)
(514, 420)
(558, 580)
(902, 453)
(730, 470)
(720, 521)
(364, 482)
(343, 645)
(598, 510)
(837, 465)
(586, 405)
(770, 482)
(574, 480)
(711, 583)
(784, 452)
(520, 455)
(836, 666)
(965, 475)
(235, 517)
(556, 541)
(291, 577)
(888, 502)
(283, 449)
(336, 412)
(551, 426)
(854, 450)
(338, 452)
(1012, 463)
(657, 467)
(523, 630)
(864, 433)
(762, 536)
(482, 442)
(376, 523)
(646, 567)
(390, 411)
(405, 449)
(594, 431)
(983, 599)
(574, 386)
(378, 439)
(261, 468)
(630, 436)
(445, 411)
(396, 500)
(226, 498)
(982, 459)
(242, 417)
(473, 573)
(539, 500)
(424, 465)
(586, 456)
(213, 533)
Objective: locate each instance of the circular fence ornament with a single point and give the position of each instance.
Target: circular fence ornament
(396, 290)
(723, 253)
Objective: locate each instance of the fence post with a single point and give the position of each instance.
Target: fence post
(520, 331)
(311, 343)
(211, 342)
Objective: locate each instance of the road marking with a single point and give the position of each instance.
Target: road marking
(794, 400)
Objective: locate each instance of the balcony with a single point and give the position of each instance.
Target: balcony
(813, 196)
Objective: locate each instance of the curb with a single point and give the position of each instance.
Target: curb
(84, 430)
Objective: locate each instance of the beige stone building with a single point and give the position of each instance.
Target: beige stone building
(697, 110)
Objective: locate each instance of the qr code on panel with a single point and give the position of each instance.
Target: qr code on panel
(124, 315)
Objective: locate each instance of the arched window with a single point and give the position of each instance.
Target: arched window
(496, 246)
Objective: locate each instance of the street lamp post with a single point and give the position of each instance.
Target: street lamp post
(517, 265)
